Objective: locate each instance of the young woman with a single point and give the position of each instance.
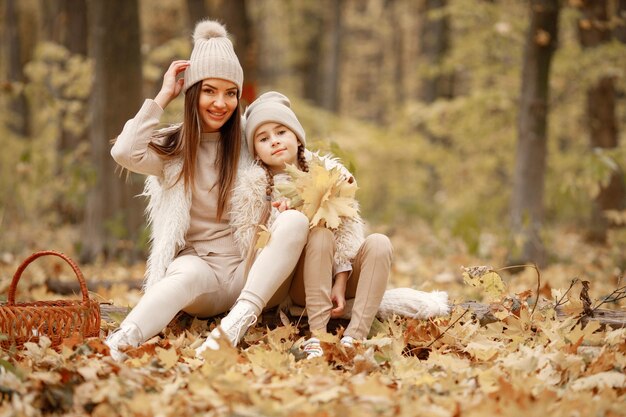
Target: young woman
(194, 264)
(335, 264)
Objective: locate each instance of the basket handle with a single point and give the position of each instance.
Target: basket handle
(31, 258)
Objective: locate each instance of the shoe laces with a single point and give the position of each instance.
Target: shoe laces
(236, 326)
(312, 348)
(347, 342)
(124, 336)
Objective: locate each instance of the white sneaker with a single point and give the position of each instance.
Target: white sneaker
(347, 342)
(234, 326)
(127, 335)
(312, 348)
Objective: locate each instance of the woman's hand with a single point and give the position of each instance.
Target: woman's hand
(172, 86)
(338, 294)
(281, 205)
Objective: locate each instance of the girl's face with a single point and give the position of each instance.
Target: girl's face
(217, 102)
(276, 146)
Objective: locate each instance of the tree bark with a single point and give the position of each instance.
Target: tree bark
(197, 11)
(530, 164)
(330, 92)
(234, 14)
(594, 30)
(65, 23)
(14, 59)
(434, 45)
(620, 29)
(113, 213)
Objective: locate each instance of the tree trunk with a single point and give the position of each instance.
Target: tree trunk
(330, 93)
(435, 43)
(113, 213)
(14, 63)
(65, 23)
(530, 164)
(311, 67)
(594, 30)
(620, 29)
(234, 14)
(197, 11)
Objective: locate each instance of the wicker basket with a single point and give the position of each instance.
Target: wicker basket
(58, 319)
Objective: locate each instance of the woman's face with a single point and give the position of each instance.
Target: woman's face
(217, 102)
(276, 146)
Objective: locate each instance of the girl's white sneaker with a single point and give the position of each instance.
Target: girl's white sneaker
(347, 342)
(312, 348)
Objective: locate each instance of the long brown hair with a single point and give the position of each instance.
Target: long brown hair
(267, 209)
(185, 142)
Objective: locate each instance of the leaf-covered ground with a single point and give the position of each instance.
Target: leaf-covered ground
(522, 364)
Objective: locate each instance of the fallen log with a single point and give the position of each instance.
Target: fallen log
(482, 312)
(73, 287)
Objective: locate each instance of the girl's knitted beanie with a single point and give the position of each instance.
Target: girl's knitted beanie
(213, 56)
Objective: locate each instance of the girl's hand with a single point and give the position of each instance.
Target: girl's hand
(281, 205)
(338, 295)
(172, 86)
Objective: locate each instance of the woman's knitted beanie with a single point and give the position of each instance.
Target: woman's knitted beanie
(213, 56)
(271, 107)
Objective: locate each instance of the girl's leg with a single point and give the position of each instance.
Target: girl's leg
(312, 282)
(367, 283)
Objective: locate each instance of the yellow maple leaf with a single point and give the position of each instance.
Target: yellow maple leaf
(167, 357)
(487, 279)
(264, 237)
(324, 195)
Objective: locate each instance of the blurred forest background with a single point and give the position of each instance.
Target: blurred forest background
(491, 129)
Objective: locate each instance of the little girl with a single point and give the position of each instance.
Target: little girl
(335, 265)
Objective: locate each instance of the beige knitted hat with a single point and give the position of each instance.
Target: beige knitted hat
(271, 107)
(213, 56)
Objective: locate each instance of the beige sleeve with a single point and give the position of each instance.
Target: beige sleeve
(131, 147)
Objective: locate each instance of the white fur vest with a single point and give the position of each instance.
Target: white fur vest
(169, 218)
(248, 201)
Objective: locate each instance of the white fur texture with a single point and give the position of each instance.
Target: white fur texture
(168, 215)
(208, 29)
(407, 302)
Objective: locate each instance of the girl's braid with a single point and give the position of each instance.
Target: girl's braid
(270, 182)
(304, 166)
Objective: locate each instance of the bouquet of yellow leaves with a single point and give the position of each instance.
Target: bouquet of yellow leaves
(324, 195)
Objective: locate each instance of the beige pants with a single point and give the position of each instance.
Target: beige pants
(209, 284)
(313, 280)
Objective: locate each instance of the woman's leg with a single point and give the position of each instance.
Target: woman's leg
(186, 278)
(367, 283)
(312, 282)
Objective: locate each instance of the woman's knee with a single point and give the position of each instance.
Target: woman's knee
(190, 272)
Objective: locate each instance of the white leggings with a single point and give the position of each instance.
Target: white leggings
(208, 285)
